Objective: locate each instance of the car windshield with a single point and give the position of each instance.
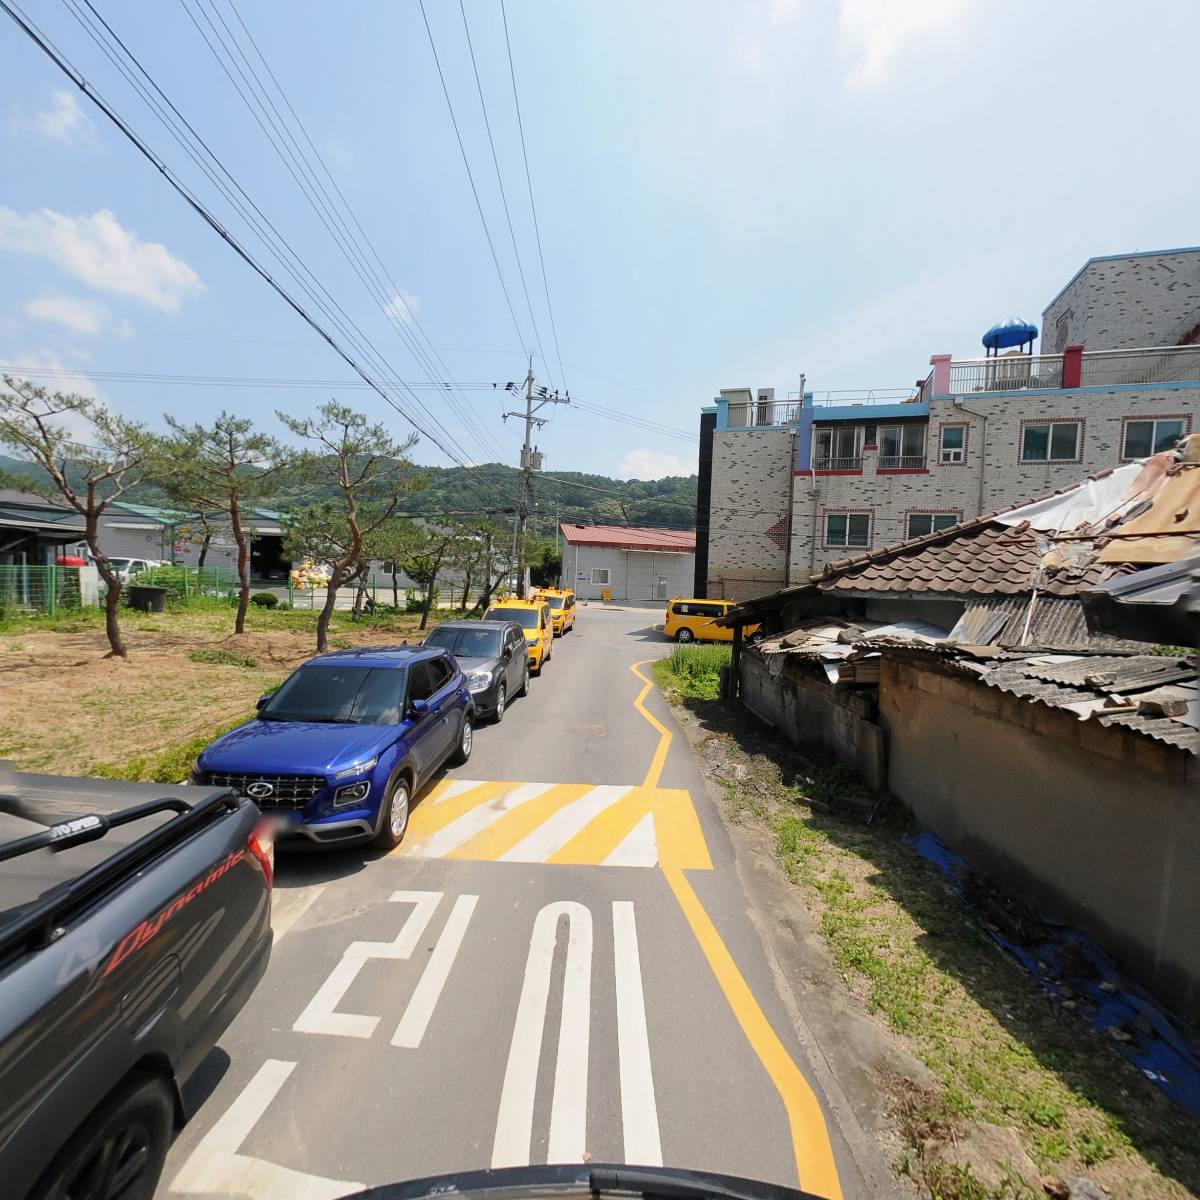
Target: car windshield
(353, 695)
(466, 643)
(555, 601)
(119, 562)
(527, 618)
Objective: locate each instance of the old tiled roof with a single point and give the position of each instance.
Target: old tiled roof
(976, 558)
(630, 537)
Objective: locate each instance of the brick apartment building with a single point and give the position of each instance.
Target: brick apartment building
(788, 485)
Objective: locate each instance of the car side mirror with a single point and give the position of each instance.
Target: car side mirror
(417, 707)
(262, 702)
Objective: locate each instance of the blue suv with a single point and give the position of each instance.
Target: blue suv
(341, 749)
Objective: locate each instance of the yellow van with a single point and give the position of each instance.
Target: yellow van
(535, 620)
(694, 621)
(562, 607)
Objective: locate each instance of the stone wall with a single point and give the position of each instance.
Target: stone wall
(796, 699)
(1099, 827)
(748, 516)
(1124, 302)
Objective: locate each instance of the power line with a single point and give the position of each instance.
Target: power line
(276, 244)
(278, 135)
(532, 206)
(350, 244)
(487, 124)
(474, 190)
(397, 292)
(199, 208)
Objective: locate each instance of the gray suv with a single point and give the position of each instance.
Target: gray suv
(493, 657)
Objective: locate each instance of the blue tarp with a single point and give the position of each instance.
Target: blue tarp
(1159, 1045)
(1013, 332)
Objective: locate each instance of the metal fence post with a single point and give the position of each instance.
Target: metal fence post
(52, 598)
(291, 594)
(186, 592)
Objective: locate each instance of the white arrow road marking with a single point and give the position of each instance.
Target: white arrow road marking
(638, 848)
(556, 832)
(639, 1113)
(321, 1016)
(216, 1166)
(568, 1109)
(478, 819)
(428, 991)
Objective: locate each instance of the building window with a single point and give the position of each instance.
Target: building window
(901, 447)
(847, 529)
(837, 448)
(600, 577)
(1051, 441)
(1143, 438)
(920, 524)
(954, 443)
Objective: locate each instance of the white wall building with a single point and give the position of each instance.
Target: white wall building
(636, 565)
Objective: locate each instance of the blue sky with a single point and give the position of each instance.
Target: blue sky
(729, 194)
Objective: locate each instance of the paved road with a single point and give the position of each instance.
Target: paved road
(557, 965)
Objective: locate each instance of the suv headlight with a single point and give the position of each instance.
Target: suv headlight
(352, 793)
(477, 681)
(357, 769)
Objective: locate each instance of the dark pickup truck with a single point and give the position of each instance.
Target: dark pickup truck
(129, 938)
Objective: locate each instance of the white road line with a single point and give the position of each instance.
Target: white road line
(477, 820)
(289, 905)
(568, 1110)
(456, 788)
(638, 849)
(428, 991)
(321, 1016)
(639, 1112)
(215, 1166)
(556, 832)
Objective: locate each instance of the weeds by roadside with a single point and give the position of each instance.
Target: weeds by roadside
(692, 671)
(170, 766)
(230, 658)
(1008, 1063)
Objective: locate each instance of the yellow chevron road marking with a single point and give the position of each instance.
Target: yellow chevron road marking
(486, 821)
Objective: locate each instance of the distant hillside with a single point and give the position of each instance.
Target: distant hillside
(471, 491)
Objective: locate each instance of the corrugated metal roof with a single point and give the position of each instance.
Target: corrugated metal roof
(1118, 673)
(631, 537)
(1056, 622)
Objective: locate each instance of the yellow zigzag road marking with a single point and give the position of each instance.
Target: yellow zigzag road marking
(565, 823)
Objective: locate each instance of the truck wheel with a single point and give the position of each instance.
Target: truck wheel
(393, 816)
(685, 635)
(466, 739)
(118, 1152)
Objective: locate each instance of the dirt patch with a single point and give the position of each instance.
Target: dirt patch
(1015, 1095)
(68, 710)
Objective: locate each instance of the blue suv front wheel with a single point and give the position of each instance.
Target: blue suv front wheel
(393, 816)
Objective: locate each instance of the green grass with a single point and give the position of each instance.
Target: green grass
(693, 671)
(171, 766)
(230, 658)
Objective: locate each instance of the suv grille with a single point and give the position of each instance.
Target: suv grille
(287, 791)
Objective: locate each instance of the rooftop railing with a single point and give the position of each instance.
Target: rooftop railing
(1006, 374)
(1094, 368)
(1168, 364)
(858, 396)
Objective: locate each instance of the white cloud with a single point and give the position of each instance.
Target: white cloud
(64, 121)
(98, 250)
(402, 306)
(82, 316)
(651, 464)
(873, 32)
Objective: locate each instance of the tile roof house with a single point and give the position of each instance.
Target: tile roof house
(1014, 577)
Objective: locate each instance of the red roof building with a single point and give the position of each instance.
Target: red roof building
(629, 563)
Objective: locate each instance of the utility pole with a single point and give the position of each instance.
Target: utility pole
(531, 460)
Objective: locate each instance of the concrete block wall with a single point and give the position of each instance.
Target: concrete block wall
(748, 516)
(1096, 826)
(1124, 302)
(954, 488)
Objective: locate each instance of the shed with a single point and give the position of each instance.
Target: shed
(638, 565)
